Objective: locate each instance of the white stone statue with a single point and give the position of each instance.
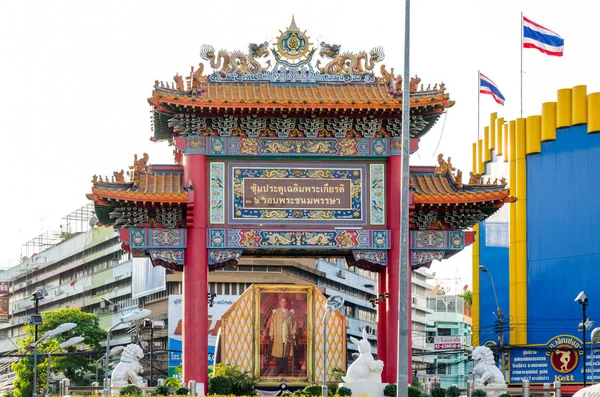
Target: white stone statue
(129, 368)
(485, 370)
(364, 374)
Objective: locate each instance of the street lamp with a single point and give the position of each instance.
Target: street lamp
(583, 301)
(500, 319)
(50, 334)
(334, 302)
(133, 316)
(73, 341)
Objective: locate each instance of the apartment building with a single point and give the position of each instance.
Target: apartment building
(421, 357)
(449, 338)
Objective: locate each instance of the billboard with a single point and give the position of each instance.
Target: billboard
(4, 289)
(447, 342)
(560, 359)
(3, 310)
(220, 305)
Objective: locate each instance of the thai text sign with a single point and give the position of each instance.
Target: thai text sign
(4, 289)
(447, 342)
(296, 193)
(3, 310)
(560, 359)
(300, 193)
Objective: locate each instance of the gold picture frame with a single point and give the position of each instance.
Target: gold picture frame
(283, 334)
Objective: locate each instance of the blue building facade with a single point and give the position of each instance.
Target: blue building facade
(543, 249)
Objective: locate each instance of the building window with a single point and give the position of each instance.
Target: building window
(430, 336)
(443, 369)
(444, 332)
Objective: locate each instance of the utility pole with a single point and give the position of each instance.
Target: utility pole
(500, 322)
(501, 341)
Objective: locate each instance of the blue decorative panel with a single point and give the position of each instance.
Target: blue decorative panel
(311, 239)
(377, 191)
(157, 238)
(195, 145)
(296, 194)
(217, 193)
(271, 146)
(452, 240)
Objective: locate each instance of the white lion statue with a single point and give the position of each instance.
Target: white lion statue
(485, 370)
(365, 367)
(129, 367)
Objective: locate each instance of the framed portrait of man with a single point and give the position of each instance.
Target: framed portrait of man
(283, 329)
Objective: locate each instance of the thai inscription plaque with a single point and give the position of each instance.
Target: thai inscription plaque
(296, 193)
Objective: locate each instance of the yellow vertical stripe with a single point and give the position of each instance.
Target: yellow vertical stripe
(506, 142)
(492, 142)
(512, 227)
(533, 142)
(499, 132)
(549, 121)
(487, 153)
(563, 108)
(593, 112)
(475, 306)
(481, 164)
(579, 105)
(521, 227)
(474, 167)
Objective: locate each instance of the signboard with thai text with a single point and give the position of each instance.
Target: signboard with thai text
(560, 359)
(4, 310)
(4, 288)
(447, 342)
(297, 193)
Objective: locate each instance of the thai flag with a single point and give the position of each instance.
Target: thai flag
(487, 86)
(542, 39)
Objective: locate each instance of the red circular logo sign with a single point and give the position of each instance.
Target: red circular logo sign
(564, 359)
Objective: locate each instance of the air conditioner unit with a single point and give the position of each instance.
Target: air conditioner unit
(341, 273)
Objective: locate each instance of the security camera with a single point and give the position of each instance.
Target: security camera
(581, 298)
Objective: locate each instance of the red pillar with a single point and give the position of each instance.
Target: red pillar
(381, 321)
(393, 199)
(195, 275)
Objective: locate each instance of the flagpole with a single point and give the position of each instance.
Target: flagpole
(478, 100)
(522, 64)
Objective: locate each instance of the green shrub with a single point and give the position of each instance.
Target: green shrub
(162, 390)
(313, 390)
(390, 390)
(332, 388)
(453, 391)
(172, 382)
(413, 392)
(131, 390)
(219, 385)
(425, 395)
(504, 395)
(344, 391)
(438, 392)
(300, 393)
(479, 393)
(182, 391)
(241, 383)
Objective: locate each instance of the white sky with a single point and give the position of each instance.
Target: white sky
(76, 75)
